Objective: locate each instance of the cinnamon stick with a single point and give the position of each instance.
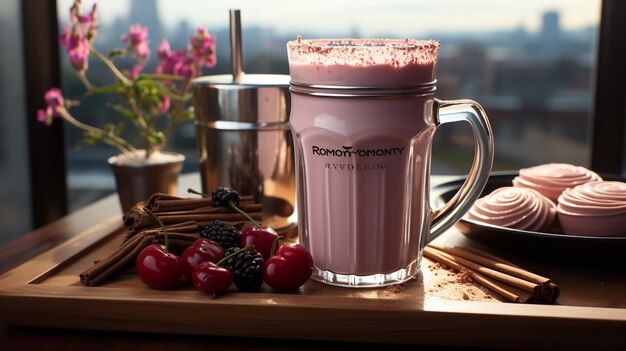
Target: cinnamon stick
(208, 217)
(494, 264)
(147, 223)
(105, 268)
(162, 203)
(513, 295)
(549, 291)
(116, 255)
(237, 223)
(173, 236)
(181, 227)
(171, 209)
(128, 252)
(248, 208)
(507, 280)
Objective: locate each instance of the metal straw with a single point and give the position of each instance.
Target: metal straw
(235, 45)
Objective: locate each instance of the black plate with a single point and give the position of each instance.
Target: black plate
(540, 243)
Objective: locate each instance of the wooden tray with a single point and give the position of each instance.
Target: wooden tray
(45, 291)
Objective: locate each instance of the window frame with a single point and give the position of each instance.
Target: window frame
(608, 148)
(48, 185)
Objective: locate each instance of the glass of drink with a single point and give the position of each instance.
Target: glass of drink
(363, 116)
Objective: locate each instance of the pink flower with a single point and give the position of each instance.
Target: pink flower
(78, 53)
(77, 36)
(164, 51)
(166, 66)
(54, 102)
(54, 98)
(168, 60)
(87, 23)
(203, 48)
(134, 72)
(137, 41)
(77, 47)
(88, 20)
(41, 117)
(177, 63)
(165, 104)
(185, 67)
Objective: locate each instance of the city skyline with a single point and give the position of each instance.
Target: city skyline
(393, 18)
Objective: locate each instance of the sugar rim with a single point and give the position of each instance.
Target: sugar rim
(397, 52)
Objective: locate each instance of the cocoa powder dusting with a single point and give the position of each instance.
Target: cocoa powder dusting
(393, 290)
(440, 283)
(443, 283)
(364, 51)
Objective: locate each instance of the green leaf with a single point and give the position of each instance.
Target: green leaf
(145, 84)
(109, 128)
(113, 88)
(119, 128)
(156, 137)
(177, 97)
(123, 111)
(186, 115)
(69, 103)
(113, 129)
(91, 138)
(159, 76)
(116, 53)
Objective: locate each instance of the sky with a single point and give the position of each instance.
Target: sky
(369, 18)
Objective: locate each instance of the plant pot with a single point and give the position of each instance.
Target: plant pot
(137, 178)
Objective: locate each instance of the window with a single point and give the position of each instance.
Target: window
(530, 64)
(15, 200)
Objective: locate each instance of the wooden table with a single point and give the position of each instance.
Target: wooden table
(53, 309)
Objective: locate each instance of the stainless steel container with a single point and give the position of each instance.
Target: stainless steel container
(243, 136)
(244, 140)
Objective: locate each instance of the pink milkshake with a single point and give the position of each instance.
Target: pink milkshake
(363, 117)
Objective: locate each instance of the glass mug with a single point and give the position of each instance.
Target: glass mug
(363, 115)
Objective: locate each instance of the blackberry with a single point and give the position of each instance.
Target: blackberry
(221, 196)
(223, 233)
(246, 267)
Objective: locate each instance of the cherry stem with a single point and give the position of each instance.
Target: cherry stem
(274, 244)
(234, 207)
(166, 238)
(249, 247)
(192, 191)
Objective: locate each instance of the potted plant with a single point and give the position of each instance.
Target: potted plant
(154, 103)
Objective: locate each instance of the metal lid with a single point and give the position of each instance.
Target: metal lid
(257, 101)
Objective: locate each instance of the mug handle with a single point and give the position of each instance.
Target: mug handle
(450, 111)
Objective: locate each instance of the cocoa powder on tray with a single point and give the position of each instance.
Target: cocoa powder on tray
(440, 283)
(443, 283)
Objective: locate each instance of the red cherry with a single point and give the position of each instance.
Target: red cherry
(259, 237)
(289, 269)
(211, 278)
(158, 268)
(201, 250)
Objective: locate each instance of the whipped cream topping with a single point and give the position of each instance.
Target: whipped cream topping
(376, 63)
(512, 207)
(553, 178)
